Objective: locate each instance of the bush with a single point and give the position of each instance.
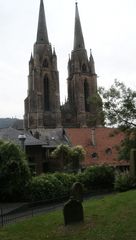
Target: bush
(46, 187)
(14, 172)
(67, 180)
(124, 181)
(97, 177)
(84, 180)
(71, 157)
(57, 185)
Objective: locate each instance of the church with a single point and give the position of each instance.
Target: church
(76, 122)
(42, 105)
(79, 121)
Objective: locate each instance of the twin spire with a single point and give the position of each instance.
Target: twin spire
(78, 35)
(42, 34)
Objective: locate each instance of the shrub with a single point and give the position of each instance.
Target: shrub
(57, 185)
(14, 172)
(46, 187)
(67, 180)
(84, 180)
(77, 154)
(124, 181)
(71, 157)
(97, 177)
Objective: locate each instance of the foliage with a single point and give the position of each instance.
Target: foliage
(124, 181)
(62, 152)
(70, 156)
(110, 217)
(97, 117)
(14, 172)
(46, 187)
(127, 144)
(77, 154)
(58, 185)
(67, 179)
(119, 104)
(97, 177)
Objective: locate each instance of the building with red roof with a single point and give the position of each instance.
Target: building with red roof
(100, 144)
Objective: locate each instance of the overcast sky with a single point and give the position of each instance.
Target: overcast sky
(109, 29)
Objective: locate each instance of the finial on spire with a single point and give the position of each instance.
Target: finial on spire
(31, 57)
(54, 52)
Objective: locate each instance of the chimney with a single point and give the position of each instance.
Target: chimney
(93, 139)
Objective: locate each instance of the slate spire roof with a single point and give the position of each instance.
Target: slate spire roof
(42, 34)
(78, 35)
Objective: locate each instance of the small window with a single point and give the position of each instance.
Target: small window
(94, 155)
(108, 151)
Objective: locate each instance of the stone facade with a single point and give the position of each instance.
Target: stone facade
(82, 82)
(42, 105)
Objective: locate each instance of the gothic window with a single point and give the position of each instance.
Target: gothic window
(45, 63)
(46, 94)
(86, 95)
(83, 68)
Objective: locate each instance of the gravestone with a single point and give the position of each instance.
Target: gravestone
(133, 163)
(73, 211)
(77, 191)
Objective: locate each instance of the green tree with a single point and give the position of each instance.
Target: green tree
(77, 155)
(62, 153)
(97, 114)
(70, 157)
(119, 107)
(14, 172)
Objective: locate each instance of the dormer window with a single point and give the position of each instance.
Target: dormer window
(94, 155)
(108, 151)
(45, 63)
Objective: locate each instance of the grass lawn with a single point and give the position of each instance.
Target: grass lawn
(110, 218)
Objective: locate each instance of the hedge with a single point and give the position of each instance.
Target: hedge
(57, 185)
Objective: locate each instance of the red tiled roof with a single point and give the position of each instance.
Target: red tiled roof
(106, 143)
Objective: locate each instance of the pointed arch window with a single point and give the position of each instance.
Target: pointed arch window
(86, 96)
(84, 68)
(45, 63)
(46, 94)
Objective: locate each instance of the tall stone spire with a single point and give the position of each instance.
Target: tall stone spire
(78, 35)
(42, 34)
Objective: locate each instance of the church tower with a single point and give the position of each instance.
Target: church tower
(82, 79)
(42, 105)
